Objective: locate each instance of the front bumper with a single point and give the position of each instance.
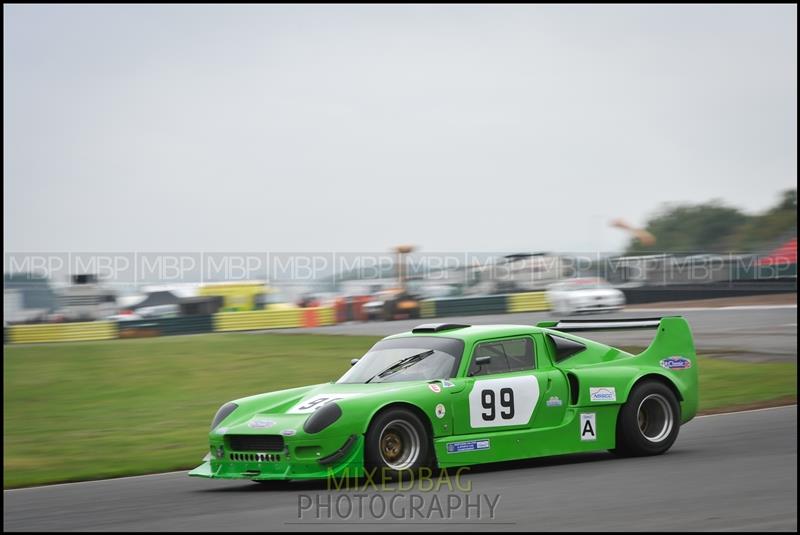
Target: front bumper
(298, 460)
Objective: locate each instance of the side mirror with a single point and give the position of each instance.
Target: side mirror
(353, 362)
(482, 361)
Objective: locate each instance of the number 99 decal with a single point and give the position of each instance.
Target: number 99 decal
(500, 402)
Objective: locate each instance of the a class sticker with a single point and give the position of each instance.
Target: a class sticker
(588, 429)
(435, 388)
(468, 445)
(440, 411)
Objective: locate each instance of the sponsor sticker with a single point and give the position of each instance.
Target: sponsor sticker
(676, 362)
(602, 393)
(288, 432)
(588, 428)
(260, 423)
(435, 388)
(554, 401)
(440, 411)
(448, 384)
(469, 445)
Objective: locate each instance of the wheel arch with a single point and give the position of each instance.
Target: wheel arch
(401, 405)
(657, 377)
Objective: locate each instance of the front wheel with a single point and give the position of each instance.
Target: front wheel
(397, 441)
(649, 421)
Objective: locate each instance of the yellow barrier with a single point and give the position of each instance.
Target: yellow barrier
(326, 315)
(258, 319)
(427, 309)
(527, 302)
(274, 319)
(63, 332)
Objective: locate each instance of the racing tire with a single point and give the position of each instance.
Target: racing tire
(649, 421)
(397, 441)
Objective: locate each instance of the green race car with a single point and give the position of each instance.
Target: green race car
(451, 395)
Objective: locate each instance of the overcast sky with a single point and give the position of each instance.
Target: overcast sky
(355, 128)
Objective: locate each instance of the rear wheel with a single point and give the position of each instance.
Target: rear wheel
(397, 441)
(649, 421)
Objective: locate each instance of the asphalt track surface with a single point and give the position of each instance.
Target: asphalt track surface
(733, 471)
(748, 332)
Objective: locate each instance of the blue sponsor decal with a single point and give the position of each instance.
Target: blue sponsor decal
(469, 445)
(603, 393)
(676, 363)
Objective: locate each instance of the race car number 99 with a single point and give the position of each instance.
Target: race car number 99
(500, 402)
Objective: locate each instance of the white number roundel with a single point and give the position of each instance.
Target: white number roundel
(503, 402)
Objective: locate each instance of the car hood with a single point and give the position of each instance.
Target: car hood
(286, 411)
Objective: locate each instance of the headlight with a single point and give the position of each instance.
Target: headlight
(223, 413)
(322, 418)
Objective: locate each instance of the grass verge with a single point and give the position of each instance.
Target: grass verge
(124, 407)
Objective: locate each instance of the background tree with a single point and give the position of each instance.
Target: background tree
(714, 227)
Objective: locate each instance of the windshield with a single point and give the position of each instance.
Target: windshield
(434, 358)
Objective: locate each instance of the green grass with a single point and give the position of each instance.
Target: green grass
(103, 409)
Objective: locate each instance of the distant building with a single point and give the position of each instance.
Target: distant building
(27, 297)
(86, 299)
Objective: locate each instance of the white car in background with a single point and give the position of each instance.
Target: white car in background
(584, 295)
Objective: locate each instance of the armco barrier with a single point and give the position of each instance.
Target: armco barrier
(62, 332)
(465, 306)
(166, 326)
(527, 302)
(273, 319)
(688, 292)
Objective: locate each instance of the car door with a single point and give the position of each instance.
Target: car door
(519, 388)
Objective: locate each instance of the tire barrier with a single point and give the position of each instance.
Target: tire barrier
(274, 319)
(258, 319)
(528, 302)
(63, 332)
(427, 308)
(220, 322)
(351, 308)
(490, 304)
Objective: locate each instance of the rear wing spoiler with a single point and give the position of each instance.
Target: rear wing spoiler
(601, 324)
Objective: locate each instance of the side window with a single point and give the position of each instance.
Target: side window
(504, 356)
